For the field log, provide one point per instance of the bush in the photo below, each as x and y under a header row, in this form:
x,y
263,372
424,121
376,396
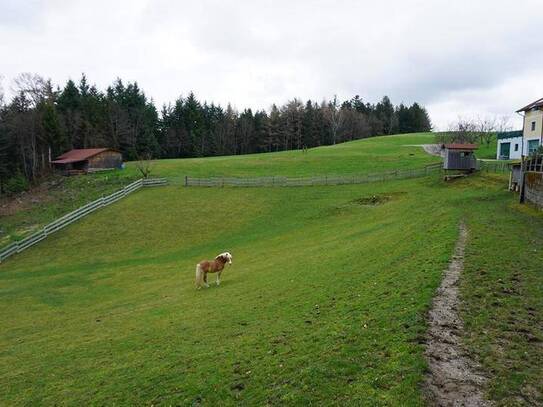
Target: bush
x,y
14,185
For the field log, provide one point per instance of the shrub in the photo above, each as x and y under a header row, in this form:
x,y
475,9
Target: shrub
x,y
14,185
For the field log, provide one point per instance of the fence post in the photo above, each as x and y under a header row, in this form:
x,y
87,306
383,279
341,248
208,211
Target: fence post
x,y
186,180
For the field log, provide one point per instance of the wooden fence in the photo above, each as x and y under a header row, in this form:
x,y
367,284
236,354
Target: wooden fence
x,y
308,181
493,166
19,246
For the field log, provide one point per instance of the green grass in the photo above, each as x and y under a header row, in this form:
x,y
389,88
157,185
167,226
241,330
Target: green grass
x,y
54,198
311,311
359,157
374,154
325,303
487,151
502,287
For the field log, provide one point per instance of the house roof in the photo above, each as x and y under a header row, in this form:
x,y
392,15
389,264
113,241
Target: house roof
x,y
77,155
508,134
536,104
460,146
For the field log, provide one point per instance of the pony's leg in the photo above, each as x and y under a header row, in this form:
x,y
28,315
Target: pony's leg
x,y
205,280
219,277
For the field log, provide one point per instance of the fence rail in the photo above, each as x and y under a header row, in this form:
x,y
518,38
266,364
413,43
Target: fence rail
x,y
309,181
62,222
494,166
534,164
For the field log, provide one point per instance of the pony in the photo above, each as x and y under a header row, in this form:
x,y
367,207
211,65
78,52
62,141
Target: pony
x,y
211,266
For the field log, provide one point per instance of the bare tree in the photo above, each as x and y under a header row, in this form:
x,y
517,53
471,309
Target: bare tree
x,y
145,164
33,86
482,130
335,117
461,131
486,129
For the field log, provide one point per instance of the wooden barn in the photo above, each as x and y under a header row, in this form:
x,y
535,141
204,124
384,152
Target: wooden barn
x,y
459,157
81,161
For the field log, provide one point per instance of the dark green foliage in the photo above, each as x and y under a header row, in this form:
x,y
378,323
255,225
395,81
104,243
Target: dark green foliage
x,y
40,123
15,184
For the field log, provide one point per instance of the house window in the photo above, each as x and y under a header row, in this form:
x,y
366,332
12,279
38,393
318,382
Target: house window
x,y
516,147
532,146
533,126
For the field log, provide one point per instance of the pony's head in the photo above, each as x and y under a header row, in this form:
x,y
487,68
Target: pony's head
x,y
226,257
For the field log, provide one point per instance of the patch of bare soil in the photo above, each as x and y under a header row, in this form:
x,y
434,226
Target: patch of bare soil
x,y
454,379
372,200
26,200
432,149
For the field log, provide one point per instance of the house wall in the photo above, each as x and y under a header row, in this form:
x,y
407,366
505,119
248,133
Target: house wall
x,y
513,155
106,159
529,134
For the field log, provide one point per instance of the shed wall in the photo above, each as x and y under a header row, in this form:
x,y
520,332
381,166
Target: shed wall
x,y
453,160
106,159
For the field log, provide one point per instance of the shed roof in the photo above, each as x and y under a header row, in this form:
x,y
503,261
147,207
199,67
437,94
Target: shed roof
x,y
533,105
77,155
458,146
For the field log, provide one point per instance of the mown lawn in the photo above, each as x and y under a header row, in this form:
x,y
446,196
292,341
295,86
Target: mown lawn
x,y
325,302
375,154
502,289
63,195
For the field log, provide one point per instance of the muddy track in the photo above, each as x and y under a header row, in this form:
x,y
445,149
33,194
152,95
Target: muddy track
x,y
453,378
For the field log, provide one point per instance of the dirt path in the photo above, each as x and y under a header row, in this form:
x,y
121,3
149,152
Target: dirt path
x,y
452,379
432,149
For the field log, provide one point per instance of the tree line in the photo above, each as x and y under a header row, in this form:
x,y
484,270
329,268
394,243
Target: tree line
x,y
41,122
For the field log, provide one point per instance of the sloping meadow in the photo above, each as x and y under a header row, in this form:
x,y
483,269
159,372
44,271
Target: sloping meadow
x,y
325,301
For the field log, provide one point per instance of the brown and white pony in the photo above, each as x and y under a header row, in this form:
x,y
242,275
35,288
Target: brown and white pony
x,y
211,266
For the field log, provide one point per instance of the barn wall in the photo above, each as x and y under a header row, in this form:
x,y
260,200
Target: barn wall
x,y
533,188
106,159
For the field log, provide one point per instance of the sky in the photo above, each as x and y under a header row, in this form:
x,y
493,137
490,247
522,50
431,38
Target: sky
x,y
459,58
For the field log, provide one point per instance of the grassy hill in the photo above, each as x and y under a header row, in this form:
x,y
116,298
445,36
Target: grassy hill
x,y
29,212
374,154
325,302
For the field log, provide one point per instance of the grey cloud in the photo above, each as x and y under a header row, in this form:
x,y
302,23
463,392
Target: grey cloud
x,y
256,53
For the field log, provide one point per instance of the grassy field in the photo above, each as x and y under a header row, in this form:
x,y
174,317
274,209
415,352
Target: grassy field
x,y
325,302
63,195
374,154
311,310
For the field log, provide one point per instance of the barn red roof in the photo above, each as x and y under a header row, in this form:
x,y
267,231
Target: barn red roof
x,y
77,155
460,146
537,103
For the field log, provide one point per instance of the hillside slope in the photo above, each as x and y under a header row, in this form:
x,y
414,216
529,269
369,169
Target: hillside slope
x,y
325,302
23,215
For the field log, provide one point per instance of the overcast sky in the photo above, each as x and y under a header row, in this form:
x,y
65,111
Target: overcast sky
x,y
457,57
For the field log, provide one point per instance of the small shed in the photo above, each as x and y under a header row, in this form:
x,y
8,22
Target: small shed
x,y
515,177
459,157
81,161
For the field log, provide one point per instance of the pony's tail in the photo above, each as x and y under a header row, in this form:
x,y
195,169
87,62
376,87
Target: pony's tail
x,y
199,276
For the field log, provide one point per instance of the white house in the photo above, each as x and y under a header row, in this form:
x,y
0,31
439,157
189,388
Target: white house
x,y
509,145
513,144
